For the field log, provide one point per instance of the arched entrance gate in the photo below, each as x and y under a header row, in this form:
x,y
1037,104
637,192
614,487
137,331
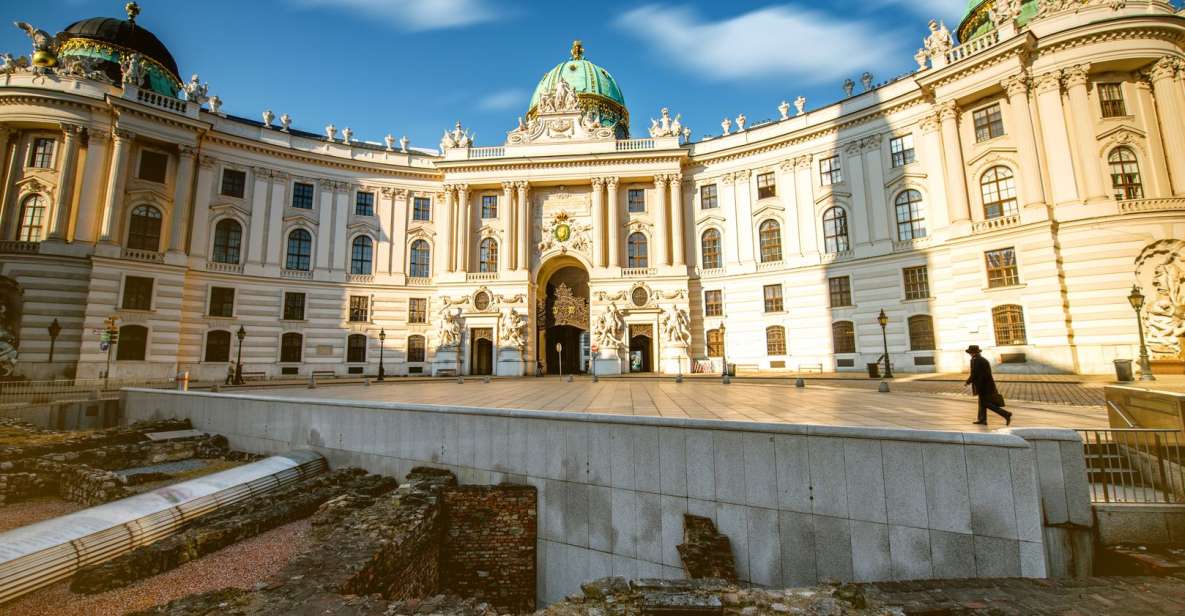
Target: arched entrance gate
x,y
562,321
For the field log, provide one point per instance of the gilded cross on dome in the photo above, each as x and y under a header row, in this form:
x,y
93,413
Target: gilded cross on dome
x,y
577,50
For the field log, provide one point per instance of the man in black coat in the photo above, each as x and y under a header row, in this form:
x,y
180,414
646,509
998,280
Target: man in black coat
x,y
983,385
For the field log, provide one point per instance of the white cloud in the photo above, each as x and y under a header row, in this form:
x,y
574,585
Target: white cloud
x,y
503,100
948,10
413,15
777,41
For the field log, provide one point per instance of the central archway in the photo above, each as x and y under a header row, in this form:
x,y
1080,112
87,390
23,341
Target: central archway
x,y
563,316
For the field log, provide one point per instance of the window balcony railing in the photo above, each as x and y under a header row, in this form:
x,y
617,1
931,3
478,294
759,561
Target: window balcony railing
x,y
419,282
830,257
771,265
907,245
634,145
973,46
296,274
148,97
992,224
638,272
1132,206
151,256
20,248
360,278
225,268
480,276
711,272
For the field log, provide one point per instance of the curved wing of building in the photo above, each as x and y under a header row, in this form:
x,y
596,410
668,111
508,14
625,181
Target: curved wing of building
x,y
1008,194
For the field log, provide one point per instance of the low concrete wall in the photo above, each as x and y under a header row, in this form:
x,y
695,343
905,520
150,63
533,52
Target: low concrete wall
x,y
1120,523
800,504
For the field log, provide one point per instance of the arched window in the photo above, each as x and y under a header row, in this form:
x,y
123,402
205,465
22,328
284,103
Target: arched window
x,y
639,253
228,240
835,230
300,250
843,337
487,256
1125,174
218,346
710,247
999,192
356,349
415,349
715,343
1009,322
361,251
144,229
775,340
921,333
291,348
32,219
911,216
132,344
421,260
770,234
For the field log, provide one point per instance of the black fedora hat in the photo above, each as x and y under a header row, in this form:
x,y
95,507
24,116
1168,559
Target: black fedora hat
x,y
974,349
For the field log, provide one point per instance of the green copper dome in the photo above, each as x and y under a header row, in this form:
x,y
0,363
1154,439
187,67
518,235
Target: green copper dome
x,y
977,18
594,86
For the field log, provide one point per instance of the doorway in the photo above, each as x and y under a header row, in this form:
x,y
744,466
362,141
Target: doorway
x,y
481,354
641,348
563,318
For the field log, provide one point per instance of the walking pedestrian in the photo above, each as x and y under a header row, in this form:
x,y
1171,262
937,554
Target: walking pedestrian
x,y
984,386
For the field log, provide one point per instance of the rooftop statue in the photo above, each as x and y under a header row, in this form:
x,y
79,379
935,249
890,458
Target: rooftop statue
x,y
196,91
9,64
132,69
45,46
667,127
939,41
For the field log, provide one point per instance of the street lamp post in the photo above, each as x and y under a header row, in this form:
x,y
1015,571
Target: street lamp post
x,y
1136,299
382,340
242,333
883,319
55,328
723,358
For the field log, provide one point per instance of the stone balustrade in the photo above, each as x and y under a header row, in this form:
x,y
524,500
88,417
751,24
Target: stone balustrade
x,y
992,224
225,268
150,256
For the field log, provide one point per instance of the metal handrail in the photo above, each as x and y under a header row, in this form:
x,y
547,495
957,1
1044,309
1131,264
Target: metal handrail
x,y
1135,465
1127,419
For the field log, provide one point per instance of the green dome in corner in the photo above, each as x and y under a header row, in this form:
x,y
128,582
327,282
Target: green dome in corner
x,y
589,81
977,18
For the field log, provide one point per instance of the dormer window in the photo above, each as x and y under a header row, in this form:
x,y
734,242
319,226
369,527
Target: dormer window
x,y
234,183
154,166
41,154
767,186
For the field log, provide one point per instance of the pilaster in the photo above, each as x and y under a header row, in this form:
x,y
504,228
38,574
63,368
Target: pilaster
x,y
275,219
261,178
598,221
506,214
59,229
1032,192
1060,168
678,241
90,191
182,192
1076,80
614,224
1171,112
116,177
661,230
958,206
200,232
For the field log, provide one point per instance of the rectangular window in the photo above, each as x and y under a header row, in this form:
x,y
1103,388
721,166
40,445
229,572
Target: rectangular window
x,y
137,293
829,171
1001,268
222,302
294,306
364,204
154,166
775,341
416,351
989,124
41,155
917,282
636,199
302,195
707,197
840,290
417,310
489,206
767,186
773,297
234,183
359,308
421,208
901,149
1111,100
713,303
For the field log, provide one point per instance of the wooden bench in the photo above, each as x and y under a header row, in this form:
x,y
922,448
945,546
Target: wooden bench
x,y
810,368
446,372
324,374
255,375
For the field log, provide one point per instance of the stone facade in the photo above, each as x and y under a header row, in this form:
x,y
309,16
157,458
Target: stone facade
x,y
1024,171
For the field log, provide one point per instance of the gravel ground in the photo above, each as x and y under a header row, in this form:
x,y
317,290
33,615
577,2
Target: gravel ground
x,y
240,565
23,513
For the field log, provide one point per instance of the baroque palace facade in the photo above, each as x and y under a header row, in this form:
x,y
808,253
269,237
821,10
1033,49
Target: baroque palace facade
x,y
1008,193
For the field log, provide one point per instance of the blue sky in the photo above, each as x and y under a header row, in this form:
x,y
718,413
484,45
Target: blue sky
x,y
415,66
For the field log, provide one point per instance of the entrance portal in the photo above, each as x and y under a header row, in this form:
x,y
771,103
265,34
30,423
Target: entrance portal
x,y
641,348
481,355
563,321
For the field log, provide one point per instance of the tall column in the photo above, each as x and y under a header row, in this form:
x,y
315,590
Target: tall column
x,y
1171,112
732,238
613,227
1157,184
937,210
115,183
853,170
261,178
398,239
743,202
443,259
1060,168
598,222
385,211
60,226
791,240
506,213
1032,191
324,223
90,190
7,142
182,188
524,227
804,198
678,242
464,224
200,233
1083,121
661,254
956,175
275,219
878,208
341,218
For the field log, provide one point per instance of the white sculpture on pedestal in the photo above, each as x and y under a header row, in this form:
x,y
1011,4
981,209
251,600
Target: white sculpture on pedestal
x,y
513,326
347,135
285,122
800,105
268,116
610,329
449,328
667,127
939,41
676,326
196,91
784,109
389,140
330,131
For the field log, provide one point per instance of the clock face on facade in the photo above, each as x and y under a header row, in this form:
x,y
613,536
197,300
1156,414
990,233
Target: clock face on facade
x,y
563,232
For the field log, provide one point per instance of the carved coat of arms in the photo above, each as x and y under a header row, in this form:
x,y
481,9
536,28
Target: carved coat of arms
x,y
563,233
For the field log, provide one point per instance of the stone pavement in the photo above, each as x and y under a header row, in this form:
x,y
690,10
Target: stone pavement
x,y
1134,596
745,400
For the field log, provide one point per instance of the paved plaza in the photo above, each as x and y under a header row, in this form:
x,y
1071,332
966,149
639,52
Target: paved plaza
x,y
756,400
